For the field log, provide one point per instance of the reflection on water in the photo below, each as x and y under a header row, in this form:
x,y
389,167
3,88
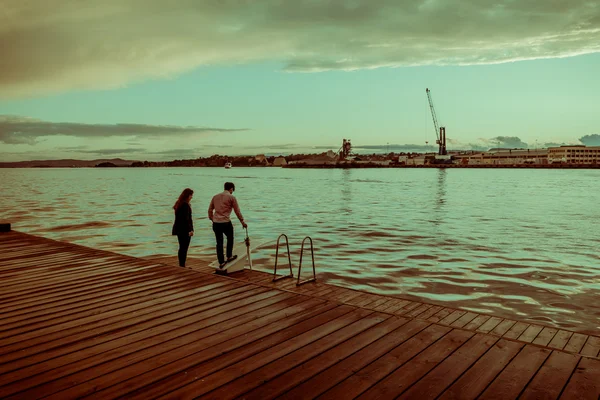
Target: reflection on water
x,y
440,197
514,243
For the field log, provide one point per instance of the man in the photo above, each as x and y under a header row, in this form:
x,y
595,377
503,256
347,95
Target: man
x,y
219,212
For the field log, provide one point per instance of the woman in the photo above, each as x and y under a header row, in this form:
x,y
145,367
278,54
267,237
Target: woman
x,y
183,226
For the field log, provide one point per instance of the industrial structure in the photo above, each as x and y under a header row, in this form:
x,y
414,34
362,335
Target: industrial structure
x,y
440,131
345,150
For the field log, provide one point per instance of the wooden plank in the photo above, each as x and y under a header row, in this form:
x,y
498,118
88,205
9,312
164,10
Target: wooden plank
x,y
60,338
552,377
585,381
84,360
503,327
121,288
452,317
592,347
440,315
265,373
82,270
338,330
347,296
158,376
361,300
399,304
489,325
474,381
400,380
105,297
513,379
418,310
379,369
73,291
545,336
159,301
410,306
34,364
106,374
379,304
276,386
39,318
464,320
431,311
477,322
516,330
530,333
576,343
560,340
442,376
337,373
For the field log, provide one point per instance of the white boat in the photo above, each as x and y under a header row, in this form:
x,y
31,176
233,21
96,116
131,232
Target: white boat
x,y
227,165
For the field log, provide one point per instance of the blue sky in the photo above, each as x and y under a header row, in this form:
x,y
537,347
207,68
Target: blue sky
x,y
487,92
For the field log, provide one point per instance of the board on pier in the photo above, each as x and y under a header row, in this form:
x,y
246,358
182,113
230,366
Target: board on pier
x,y
242,261
235,265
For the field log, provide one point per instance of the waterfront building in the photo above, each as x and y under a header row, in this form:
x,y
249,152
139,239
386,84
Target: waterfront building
x,y
578,154
279,161
509,157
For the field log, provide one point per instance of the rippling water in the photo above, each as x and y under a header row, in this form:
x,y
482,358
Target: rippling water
x,y
518,243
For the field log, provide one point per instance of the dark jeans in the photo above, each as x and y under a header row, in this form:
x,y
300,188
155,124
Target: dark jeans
x,y
184,244
220,229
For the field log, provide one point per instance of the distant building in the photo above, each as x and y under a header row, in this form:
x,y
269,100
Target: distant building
x,y
262,160
574,154
279,161
508,157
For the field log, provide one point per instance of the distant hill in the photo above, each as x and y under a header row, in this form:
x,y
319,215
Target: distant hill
x,y
65,163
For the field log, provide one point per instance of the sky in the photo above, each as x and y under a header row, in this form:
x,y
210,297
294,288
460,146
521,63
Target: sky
x,y
156,80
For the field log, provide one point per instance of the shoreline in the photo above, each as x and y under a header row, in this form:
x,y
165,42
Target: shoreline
x,y
483,166
347,166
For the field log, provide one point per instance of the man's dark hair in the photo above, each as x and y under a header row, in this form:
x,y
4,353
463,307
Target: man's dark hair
x,y
229,185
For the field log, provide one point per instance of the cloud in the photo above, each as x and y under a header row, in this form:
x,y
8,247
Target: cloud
x,y
507,141
108,152
590,140
58,45
288,146
22,130
396,147
72,148
552,144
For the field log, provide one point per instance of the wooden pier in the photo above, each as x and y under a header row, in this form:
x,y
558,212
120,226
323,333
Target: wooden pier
x,y
78,322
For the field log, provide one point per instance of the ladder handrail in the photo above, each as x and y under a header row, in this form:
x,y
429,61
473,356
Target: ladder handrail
x,y
247,241
291,275
312,253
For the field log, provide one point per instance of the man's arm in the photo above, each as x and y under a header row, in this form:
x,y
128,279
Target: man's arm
x,y
236,208
211,208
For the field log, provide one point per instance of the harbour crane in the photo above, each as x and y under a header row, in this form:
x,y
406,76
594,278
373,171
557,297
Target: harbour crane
x,y
440,131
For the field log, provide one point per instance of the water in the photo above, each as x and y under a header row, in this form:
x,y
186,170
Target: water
x,y
517,243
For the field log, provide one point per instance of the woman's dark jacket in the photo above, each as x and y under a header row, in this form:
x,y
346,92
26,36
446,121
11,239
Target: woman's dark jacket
x,y
183,220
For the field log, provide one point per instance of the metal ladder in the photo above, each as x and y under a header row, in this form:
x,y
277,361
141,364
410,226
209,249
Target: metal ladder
x,y
291,274
312,253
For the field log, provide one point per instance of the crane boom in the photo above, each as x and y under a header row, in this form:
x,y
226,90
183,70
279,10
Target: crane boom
x,y
440,131
435,122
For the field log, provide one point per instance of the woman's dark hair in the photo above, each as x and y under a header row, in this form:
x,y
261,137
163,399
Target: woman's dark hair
x,y
229,185
184,197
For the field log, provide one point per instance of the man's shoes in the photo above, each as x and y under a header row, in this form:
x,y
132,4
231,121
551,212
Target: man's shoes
x,y
233,257
222,265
